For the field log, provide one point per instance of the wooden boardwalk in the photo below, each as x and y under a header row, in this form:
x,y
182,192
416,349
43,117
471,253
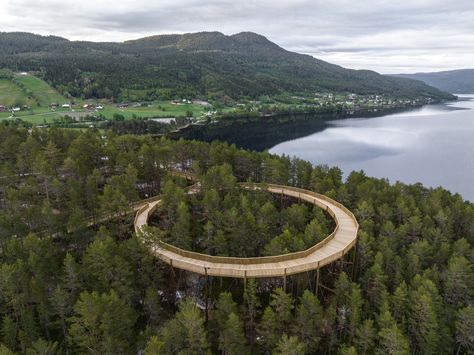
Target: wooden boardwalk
x,y
332,248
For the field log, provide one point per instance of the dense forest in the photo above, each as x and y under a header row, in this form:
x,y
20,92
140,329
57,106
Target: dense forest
x,y
70,285
205,64
226,220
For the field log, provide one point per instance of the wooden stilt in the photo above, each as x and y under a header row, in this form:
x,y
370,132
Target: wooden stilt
x,y
298,285
179,279
211,282
173,283
172,270
327,288
185,282
284,281
245,281
206,291
354,260
308,279
317,280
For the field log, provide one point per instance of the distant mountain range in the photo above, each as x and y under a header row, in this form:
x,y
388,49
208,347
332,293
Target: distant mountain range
x,y
194,64
455,81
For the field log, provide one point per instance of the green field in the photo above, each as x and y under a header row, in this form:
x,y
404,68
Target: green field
x,y
36,116
28,90
157,109
42,92
12,95
41,115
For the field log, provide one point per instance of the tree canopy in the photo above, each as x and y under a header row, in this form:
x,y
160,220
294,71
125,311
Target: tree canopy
x,y
75,281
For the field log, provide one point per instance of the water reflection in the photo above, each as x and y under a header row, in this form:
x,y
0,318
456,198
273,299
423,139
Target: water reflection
x,y
433,145
263,133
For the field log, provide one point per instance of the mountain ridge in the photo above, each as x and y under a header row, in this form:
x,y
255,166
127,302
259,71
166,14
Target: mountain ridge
x,y
456,81
212,64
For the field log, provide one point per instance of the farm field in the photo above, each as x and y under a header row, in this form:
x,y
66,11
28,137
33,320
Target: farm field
x,y
158,109
12,95
28,90
42,92
36,116
31,91
42,115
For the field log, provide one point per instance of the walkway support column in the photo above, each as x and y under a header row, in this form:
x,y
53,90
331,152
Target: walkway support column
x,y
245,281
342,262
206,293
317,280
354,262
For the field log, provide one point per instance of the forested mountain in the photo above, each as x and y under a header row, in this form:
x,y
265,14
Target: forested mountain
x,y
67,286
456,81
195,64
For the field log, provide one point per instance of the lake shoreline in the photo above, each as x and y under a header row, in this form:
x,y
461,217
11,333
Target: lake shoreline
x,y
432,145
264,132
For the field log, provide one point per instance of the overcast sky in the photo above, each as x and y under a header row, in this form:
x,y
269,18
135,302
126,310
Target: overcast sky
x,y
389,36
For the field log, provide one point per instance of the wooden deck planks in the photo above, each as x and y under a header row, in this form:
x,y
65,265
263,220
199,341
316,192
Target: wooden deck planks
x,y
344,238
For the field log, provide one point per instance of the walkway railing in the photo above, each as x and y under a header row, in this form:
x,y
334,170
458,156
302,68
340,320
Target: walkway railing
x,y
284,264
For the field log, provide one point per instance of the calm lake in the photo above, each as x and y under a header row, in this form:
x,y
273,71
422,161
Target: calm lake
x,y
433,145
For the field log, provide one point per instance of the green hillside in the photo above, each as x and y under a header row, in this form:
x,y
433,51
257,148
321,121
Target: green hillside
x,y
34,96
456,81
27,90
205,64
12,95
42,92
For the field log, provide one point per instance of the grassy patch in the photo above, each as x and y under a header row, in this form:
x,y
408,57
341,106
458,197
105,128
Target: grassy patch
x,y
35,118
42,92
13,95
158,109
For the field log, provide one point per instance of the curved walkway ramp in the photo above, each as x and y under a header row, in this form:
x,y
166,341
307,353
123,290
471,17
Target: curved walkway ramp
x,y
332,248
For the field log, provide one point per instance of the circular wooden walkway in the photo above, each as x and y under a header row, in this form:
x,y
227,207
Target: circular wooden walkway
x,y
332,248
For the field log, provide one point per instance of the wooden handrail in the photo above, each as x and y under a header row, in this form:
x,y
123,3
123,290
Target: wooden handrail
x,y
220,261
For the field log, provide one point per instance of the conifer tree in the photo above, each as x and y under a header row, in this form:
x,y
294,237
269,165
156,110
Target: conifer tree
x,y
289,345
181,230
225,306
232,338
102,324
423,323
390,339
309,319
465,330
